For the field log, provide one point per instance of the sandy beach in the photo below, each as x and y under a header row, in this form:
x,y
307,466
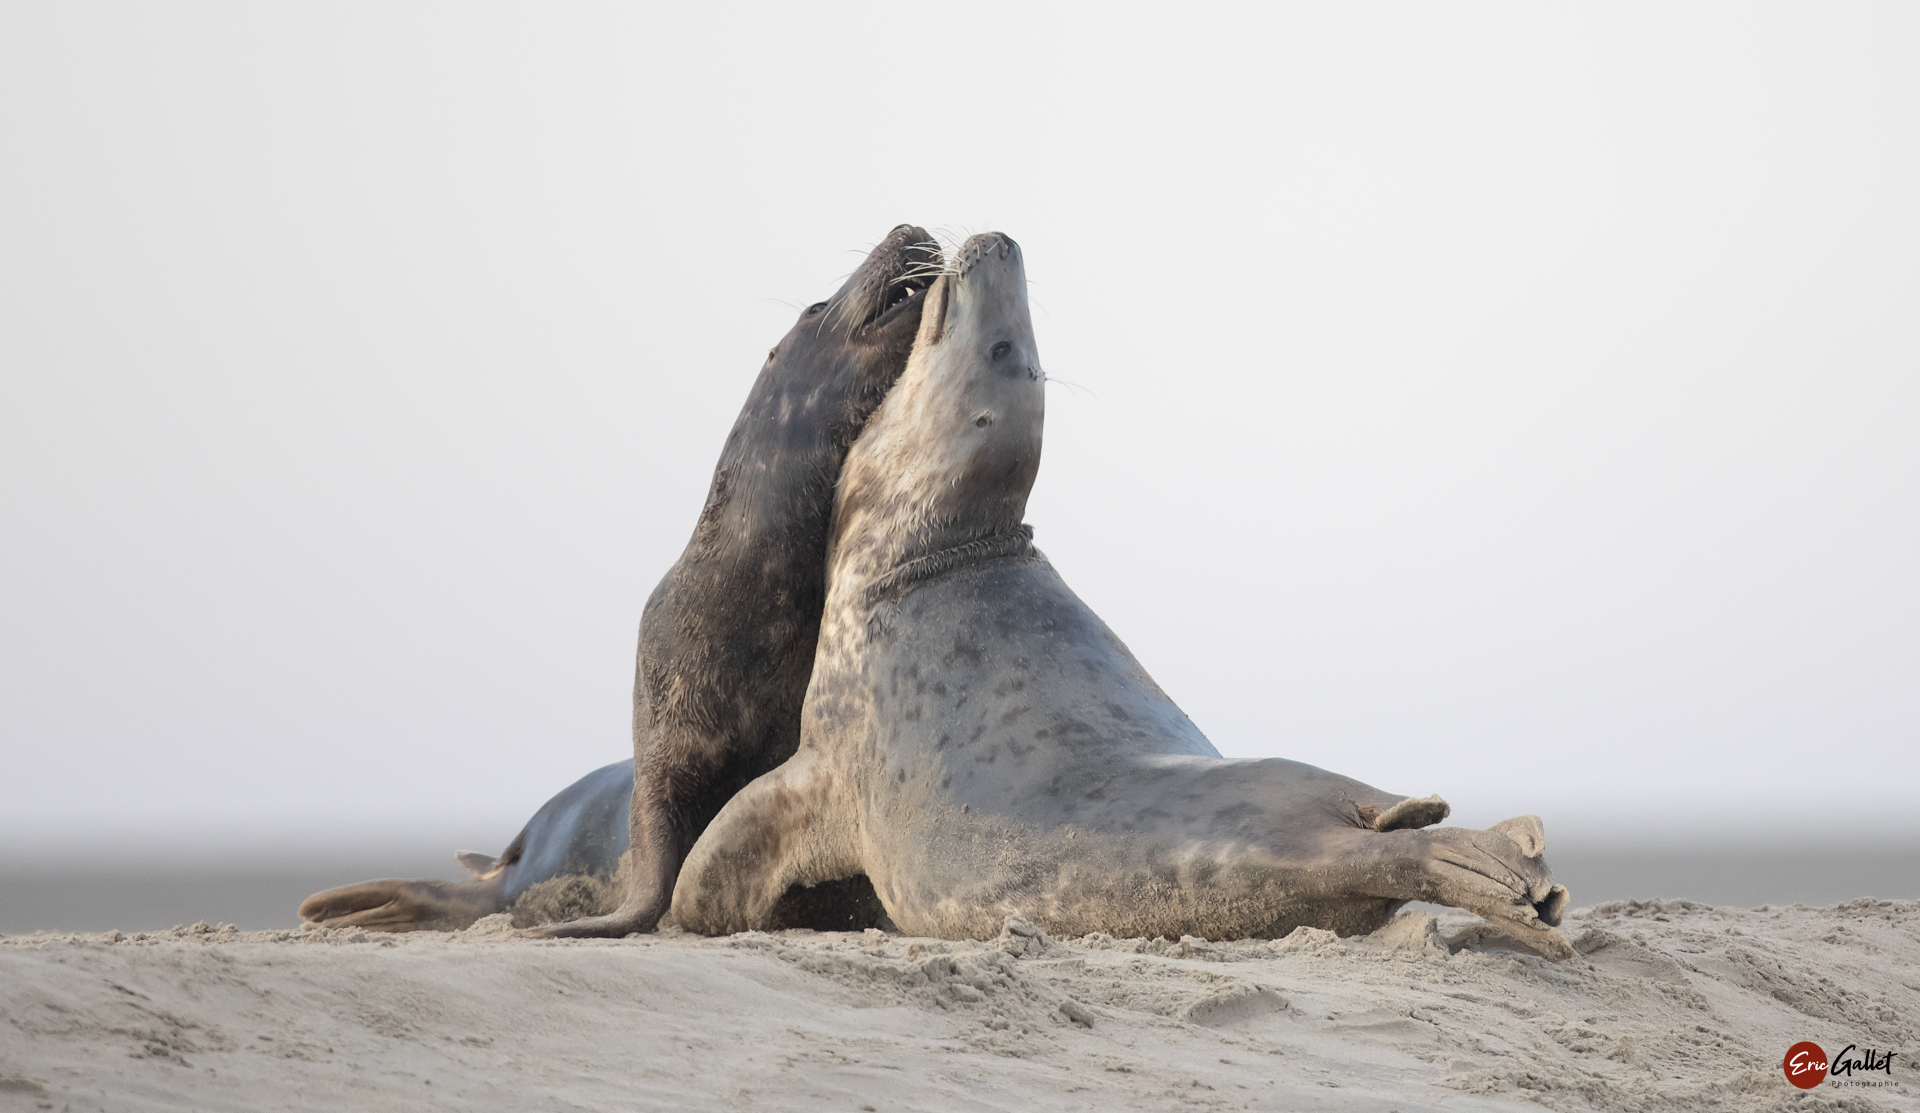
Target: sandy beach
x,y
1669,1005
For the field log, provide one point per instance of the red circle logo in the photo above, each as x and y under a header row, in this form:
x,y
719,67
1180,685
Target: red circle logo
x,y
1806,1065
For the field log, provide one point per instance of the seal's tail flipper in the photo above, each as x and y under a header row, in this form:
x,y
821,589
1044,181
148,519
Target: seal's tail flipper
x,y
1530,835
1526,832
771,836
404,905
1497,873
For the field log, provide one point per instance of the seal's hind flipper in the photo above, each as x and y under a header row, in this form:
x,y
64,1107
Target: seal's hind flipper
x,y
1530,835
1413,812
394,905
1525,830
479,865
1498,874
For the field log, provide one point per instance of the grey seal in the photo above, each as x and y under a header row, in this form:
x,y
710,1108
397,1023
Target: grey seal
x,y
581,832
578,839
727,637
978,744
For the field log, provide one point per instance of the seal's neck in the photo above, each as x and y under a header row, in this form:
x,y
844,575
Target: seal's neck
x,y
1017,542
913,502
942,472
878,552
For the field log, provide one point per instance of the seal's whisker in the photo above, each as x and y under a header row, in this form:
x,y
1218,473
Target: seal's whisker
x,y
951,240
928,271
1075,388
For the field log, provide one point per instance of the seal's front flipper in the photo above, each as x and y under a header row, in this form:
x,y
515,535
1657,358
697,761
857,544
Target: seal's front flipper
x,y
404,905
773,835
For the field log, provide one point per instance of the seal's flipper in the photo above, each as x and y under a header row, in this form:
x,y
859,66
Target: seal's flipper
x,y
1554,908
1527,831
404,905
1489,873
479,865
774,834
1413,812
1531,836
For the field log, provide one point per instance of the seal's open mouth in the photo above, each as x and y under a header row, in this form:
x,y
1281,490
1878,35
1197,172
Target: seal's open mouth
x,y
900,269
903,289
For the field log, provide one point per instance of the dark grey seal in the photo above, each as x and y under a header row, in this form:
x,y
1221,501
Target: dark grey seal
x,y
727,638
581,832
577,839
979,744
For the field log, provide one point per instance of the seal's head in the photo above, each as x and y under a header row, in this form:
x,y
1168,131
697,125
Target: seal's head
x,y
849,348
771,491
951,455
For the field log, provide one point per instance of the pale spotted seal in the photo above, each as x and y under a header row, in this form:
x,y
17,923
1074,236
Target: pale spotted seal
x,y
979,744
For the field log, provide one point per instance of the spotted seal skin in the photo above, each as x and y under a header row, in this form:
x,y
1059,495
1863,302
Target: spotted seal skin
x,y
978,743
727,637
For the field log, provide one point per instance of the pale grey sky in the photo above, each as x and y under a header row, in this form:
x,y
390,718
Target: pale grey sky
x,y
1507,402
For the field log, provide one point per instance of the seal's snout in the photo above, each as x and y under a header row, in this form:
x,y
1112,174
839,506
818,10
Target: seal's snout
x,y
986,245
902,266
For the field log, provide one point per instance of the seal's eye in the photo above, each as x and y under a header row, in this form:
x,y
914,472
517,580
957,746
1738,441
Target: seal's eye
x,y
1001,349
983,421
816,307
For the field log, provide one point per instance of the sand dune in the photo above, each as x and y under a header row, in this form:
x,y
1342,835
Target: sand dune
x,y
1670,1005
